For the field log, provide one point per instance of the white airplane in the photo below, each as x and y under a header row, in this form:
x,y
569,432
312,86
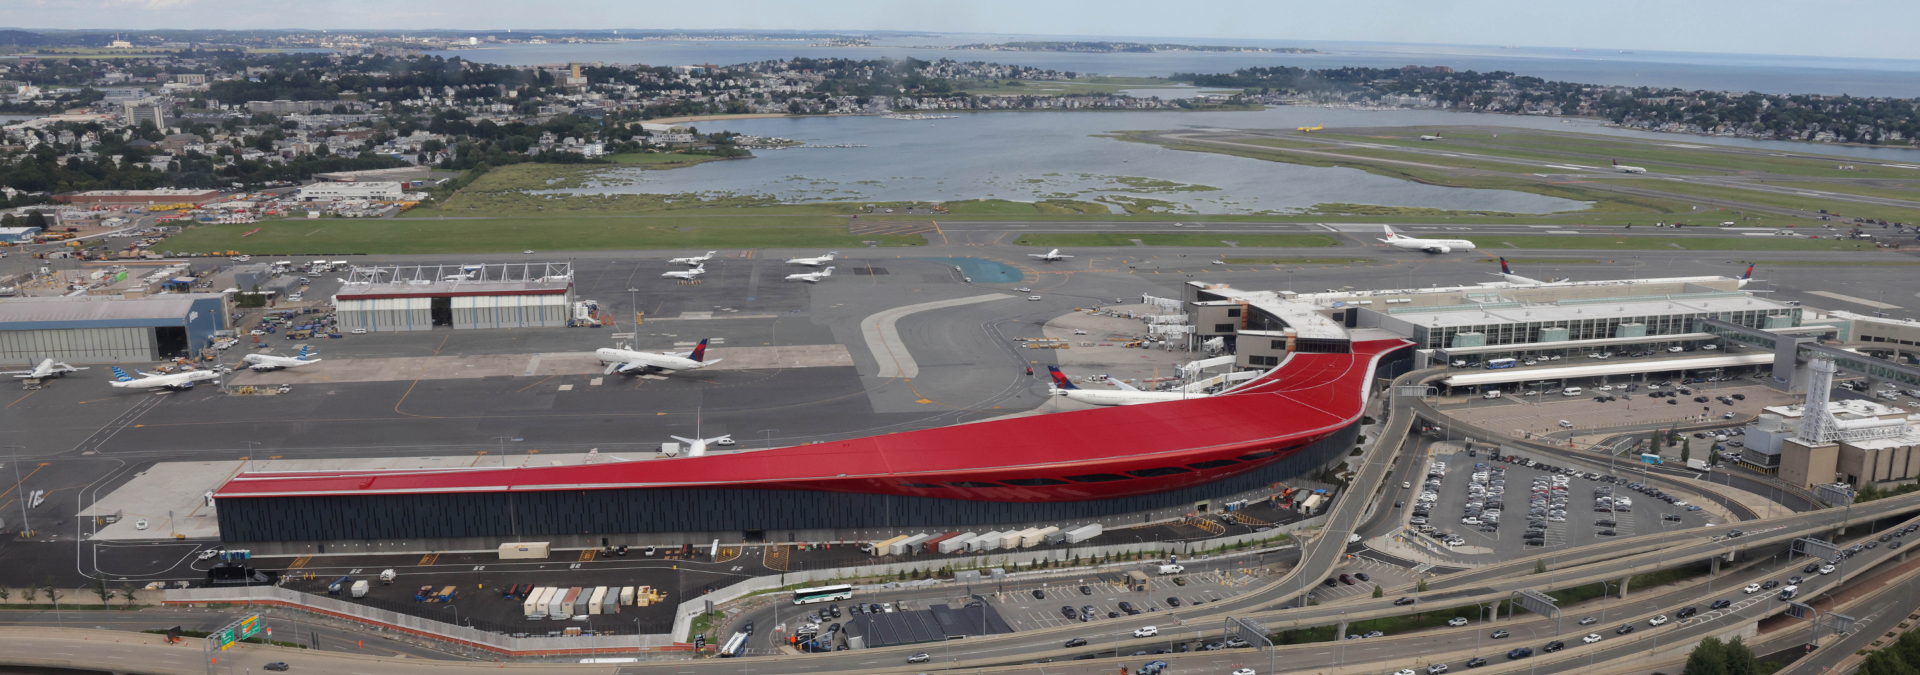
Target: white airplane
x,y
811,277
1507,274
174,381
47,368
1428,245
689,274
1430,137
261,363
1125,395
1622,168
814,262
694,261
1049,256
630,361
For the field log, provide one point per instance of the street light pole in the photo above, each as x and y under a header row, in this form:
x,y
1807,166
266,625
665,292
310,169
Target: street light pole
x,y
769,433
254,464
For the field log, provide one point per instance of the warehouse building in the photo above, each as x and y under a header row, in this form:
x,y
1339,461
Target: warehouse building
x,y
370,190
18,235
97,329
141,197
425,297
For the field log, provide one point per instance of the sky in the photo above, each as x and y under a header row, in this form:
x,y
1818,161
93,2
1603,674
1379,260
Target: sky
x,y
1876,29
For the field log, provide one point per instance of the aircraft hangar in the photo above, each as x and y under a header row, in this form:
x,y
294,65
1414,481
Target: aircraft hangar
x,y
99,329
426,297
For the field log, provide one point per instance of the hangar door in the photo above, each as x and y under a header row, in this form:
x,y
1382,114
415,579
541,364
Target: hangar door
x,y
80,345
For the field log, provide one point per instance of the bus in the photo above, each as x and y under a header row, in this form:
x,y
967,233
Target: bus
x,y
1496,364
822,594
735,646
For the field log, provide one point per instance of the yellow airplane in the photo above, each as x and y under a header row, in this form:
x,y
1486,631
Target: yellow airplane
x,y
1311,128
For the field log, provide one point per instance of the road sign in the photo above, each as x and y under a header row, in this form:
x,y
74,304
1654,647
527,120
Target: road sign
x,y
241,629
1840,623
1818,548
1801,611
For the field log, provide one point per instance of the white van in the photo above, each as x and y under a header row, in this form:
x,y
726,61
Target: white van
x,y
1490,394
1172,569
1570,391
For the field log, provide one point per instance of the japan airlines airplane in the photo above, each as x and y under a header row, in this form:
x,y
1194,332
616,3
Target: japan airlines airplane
x,y
1125,395
1622,168
695,261
261,363
814,262
1428,245
1507,274
174,381
630,361
1049,256
811,277
689,274
47,368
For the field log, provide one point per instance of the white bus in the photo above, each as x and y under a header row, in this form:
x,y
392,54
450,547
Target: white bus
x,y
1497,364
822,594
735,646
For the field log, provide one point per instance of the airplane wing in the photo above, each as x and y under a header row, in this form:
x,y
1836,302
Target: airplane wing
x,y
64,368
688,441
17,373
1122,385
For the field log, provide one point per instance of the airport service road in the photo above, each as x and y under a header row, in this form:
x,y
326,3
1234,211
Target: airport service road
x,y
326,636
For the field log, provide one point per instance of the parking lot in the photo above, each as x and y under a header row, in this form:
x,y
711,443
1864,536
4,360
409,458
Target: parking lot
x,y
1365,573
1542,414
1105,592
1566,514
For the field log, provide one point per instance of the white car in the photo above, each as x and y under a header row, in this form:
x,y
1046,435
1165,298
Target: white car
x,y
1406,485
1436,669
1658,620
1752,588
1457,621
1408,671
1243,671
1033,297
1591,638
1219,262
359,331
528,251
1024,289
1148,631
1826,569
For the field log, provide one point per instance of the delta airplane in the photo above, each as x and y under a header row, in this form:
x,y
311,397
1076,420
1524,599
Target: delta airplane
x,y
811,277
175,381
1125,395
261,363
1049,256
47,368
695,261
629,361
1622,168
1428,245
689,274
814,262
1507,274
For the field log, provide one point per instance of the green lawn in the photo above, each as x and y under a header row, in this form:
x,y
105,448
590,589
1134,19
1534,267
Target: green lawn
x,y
1005,207
1126,239
1546,261
1485,144
1804,203
1911,193
1295,261
660,158
1495,242
506,235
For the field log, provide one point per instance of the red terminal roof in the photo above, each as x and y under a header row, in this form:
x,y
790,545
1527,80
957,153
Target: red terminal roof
x,y
1307,398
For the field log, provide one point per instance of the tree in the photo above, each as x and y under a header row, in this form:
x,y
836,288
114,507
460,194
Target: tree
x,y
126,593
1686,450
53,592
1539,567
30,594
1421,585
1377,592
5,595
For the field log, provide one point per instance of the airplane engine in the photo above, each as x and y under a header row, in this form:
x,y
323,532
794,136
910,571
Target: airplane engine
x,y
1441,249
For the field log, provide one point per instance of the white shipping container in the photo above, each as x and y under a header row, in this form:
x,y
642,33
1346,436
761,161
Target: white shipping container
x,y
535,606
596,603
1032,538
957,542
1084,532
557,605
985,542
903,546
626,596
885,546
524,550
1011,540
360,588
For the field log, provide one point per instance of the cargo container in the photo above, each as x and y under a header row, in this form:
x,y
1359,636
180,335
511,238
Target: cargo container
x,y
560,606
1032,538
447,594
1083,533
1011,540
933,545
986,542
626,596
908,545
533,550
883,546
598,601
532,604
583,601
360,588
957,542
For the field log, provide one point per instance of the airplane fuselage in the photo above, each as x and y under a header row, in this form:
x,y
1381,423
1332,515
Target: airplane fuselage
x,y
646,360
1119,397
173,381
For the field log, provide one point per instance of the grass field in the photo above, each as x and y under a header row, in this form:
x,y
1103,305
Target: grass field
x,y
1126,239
1836,263
1485,144
661,159
1004,207
1677,243
507,235
1911,193
1546,261
1804,203
1295,261
1668,156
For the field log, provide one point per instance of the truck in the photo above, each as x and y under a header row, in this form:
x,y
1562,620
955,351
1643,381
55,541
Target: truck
x,y
360,588
1697,464
338,585
598,602
1652,458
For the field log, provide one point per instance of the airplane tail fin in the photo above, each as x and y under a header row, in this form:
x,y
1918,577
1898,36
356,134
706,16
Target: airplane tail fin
x,y
1616,162
699,352
1059,378
303,352
121,375
1749,275
1503,266
827,273
1389,229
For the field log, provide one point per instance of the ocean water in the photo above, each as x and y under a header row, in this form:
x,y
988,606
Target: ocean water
x,y
1691,70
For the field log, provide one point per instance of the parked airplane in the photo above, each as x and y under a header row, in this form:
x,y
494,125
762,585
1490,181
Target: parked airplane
x,y
694,261
1428,245
630,361
261,363
151,381
697,447
811,277
1617,166
1507,274
1049,256
689,274
815,262
1125,395
1746,277
47,368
